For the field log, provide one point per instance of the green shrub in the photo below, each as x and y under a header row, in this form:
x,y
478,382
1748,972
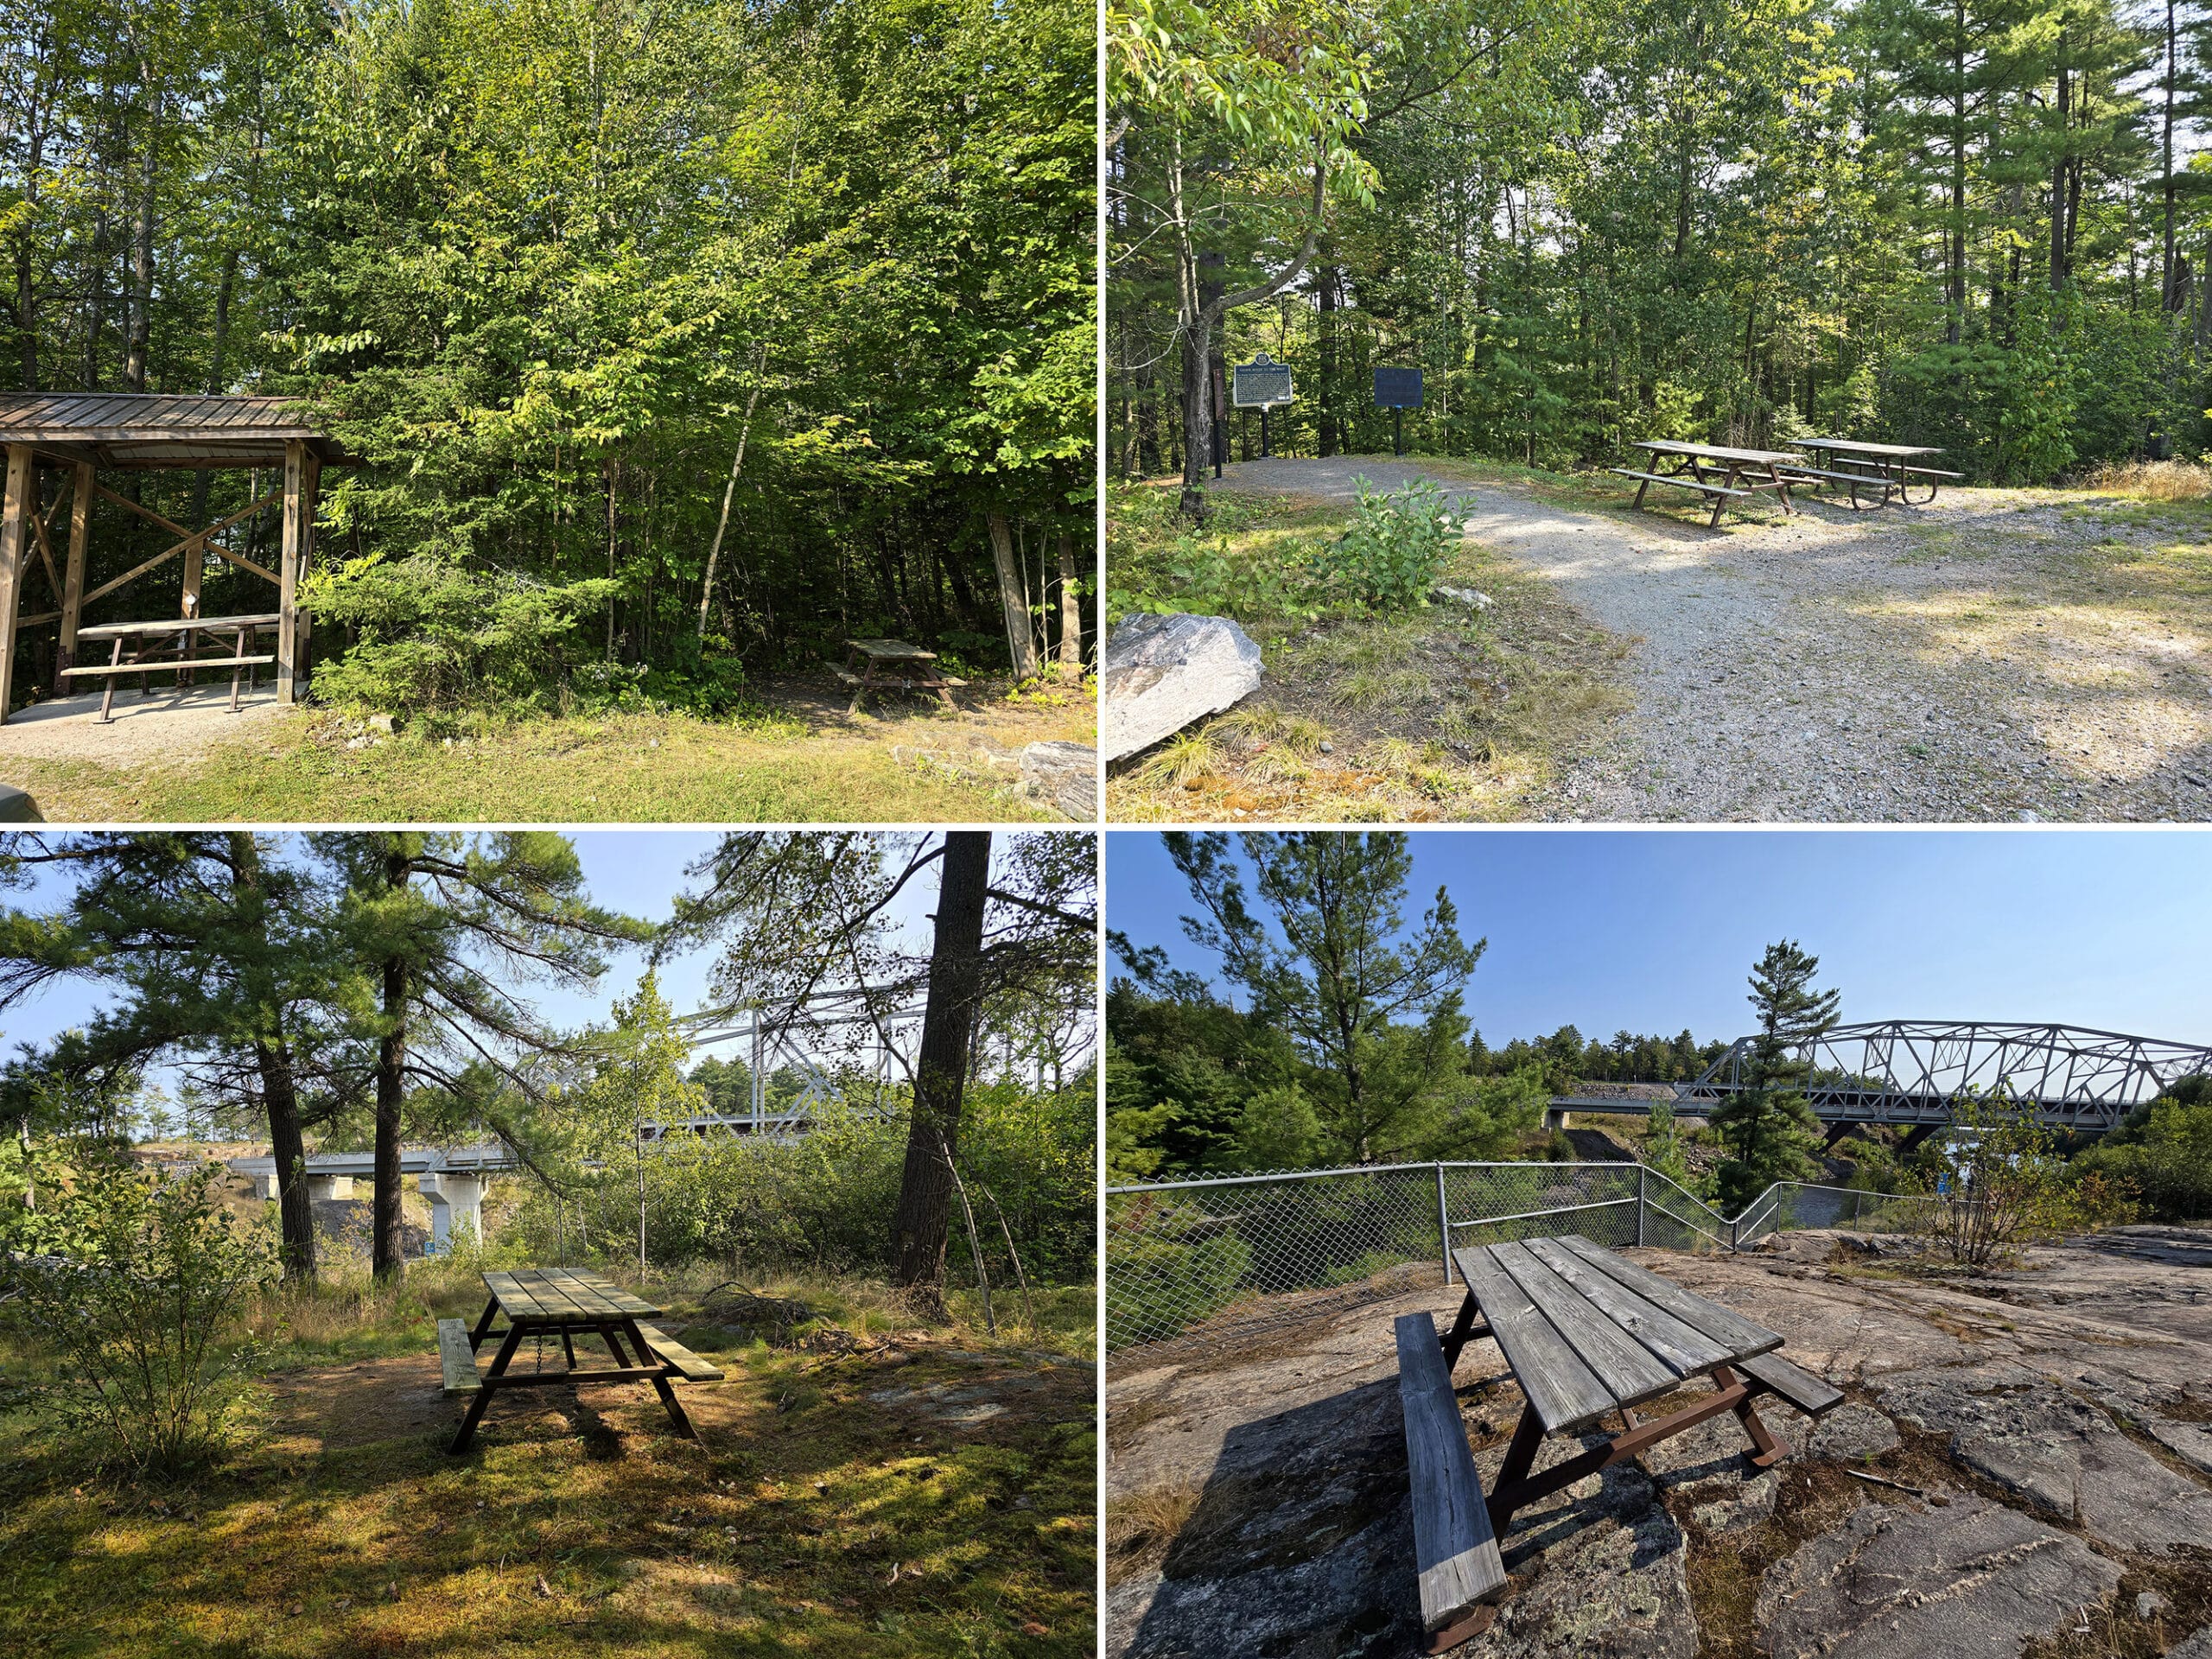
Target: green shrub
x,y
1390,557
1157,1286
2171,1165
138,1312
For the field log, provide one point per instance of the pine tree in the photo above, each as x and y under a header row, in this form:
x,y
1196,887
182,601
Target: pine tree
x,y
1768,1127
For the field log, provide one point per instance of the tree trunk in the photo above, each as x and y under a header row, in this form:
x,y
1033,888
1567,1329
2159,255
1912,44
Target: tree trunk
x,y
295,1210
1955,259
1325,293
2170,299
384,1258
1070,609
941,1073
1014,600
715,553
142,263
2058,187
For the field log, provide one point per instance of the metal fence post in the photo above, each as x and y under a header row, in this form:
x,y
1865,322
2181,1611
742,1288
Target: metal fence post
x,y
1443,1224
1639,1206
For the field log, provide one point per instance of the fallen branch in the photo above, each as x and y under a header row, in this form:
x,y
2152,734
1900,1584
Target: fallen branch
x,y
1883,1480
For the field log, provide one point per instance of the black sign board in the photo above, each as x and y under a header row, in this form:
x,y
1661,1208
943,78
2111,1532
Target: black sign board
x,y
1260,382
1397,388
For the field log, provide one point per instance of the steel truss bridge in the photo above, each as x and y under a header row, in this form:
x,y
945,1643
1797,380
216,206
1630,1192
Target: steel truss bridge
x,y
1913,1073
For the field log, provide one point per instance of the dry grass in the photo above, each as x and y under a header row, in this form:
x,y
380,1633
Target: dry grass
x,y
932,1496
1140,1526
1419,716
2154,480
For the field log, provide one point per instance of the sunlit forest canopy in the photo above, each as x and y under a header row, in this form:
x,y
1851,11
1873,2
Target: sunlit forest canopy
x,y
674,338
1978,225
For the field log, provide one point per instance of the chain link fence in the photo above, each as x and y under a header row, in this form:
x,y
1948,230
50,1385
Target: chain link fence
x,y
1215,1262
1787,1206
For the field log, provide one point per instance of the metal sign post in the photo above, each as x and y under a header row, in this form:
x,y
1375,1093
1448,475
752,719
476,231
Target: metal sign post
x,y
1397,390
1261,383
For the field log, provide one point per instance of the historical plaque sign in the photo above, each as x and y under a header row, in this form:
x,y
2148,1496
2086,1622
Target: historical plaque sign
x,y
1397,388
1261,383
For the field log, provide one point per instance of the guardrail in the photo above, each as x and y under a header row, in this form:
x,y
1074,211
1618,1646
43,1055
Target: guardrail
x,y
1221,1260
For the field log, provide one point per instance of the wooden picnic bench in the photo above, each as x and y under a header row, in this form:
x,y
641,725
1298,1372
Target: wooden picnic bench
x,y
1587,1333
566,1303
1883,467
1713,470
891,664
171,642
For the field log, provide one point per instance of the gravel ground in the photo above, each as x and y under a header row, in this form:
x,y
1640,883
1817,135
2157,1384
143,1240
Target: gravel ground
x,y
1839,666
169,726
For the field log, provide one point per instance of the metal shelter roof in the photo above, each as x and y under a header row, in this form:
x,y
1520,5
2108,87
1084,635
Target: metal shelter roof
x,y
154,429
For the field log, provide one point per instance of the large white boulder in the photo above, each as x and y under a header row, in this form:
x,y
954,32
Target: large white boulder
x,y
1163,672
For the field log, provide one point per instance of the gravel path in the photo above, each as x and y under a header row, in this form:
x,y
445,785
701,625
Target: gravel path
x,y
172,726
1840,666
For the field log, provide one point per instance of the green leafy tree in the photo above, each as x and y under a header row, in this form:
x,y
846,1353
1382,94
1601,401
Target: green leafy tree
x,y
1768,1126
1372,1006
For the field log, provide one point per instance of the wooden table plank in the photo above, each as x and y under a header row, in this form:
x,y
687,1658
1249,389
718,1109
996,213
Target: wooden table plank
x,y
1688,1350
1455,1551
1630,1371
1740,1336
553,1302
619,1300
1561,1390
514,1301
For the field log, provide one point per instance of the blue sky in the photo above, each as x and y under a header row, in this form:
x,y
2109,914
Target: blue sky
x,y
639,871
1654,931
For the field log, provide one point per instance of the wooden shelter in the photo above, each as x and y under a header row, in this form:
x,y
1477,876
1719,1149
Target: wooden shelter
x,y
77,434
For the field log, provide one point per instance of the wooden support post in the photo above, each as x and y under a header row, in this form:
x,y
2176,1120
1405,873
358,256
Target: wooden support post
x,y
311,488
15,542
288,616
73,580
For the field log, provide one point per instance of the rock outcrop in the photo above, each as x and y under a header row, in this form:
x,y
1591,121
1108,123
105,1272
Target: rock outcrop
x,y
1903,1582
1163,672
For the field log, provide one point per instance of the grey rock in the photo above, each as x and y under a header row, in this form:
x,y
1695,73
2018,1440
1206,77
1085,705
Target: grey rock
x,y
1711,1465
1064,775
2195,1647
1472,598
2190,1442
2149,1604
1894,1582
1851,1432
2059,1453
381,723
1163,672
17,807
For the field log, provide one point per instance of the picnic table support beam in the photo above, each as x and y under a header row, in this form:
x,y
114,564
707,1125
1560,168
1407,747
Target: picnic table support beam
x,y
73,580
14,540
288,601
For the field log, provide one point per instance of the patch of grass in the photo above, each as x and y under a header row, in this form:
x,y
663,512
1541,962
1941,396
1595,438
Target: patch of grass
x,y
2154,480
626,768
934,1497
1140,1526
1430,714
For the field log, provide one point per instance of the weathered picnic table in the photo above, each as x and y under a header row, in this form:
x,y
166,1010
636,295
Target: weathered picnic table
x,y
566,1303
1883,466
1587,1333
177,634
893,664
1713,470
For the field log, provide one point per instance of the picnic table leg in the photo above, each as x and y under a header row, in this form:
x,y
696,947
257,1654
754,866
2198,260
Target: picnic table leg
x,y
483,1326
484,1392
107,698
1462,1332
1781,485
1640,489
668,1400
1770,1450
1519,1456
1719,501
237,650
568,1347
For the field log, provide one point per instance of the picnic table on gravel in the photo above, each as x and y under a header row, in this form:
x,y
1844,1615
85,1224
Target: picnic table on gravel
x,y
1587,1334
1883,467
891,664
566,1303
1713,470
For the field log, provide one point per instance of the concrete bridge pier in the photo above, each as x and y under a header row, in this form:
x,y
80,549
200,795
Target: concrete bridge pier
x,y
1555,1117
264,1184
456,1199
329,1186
